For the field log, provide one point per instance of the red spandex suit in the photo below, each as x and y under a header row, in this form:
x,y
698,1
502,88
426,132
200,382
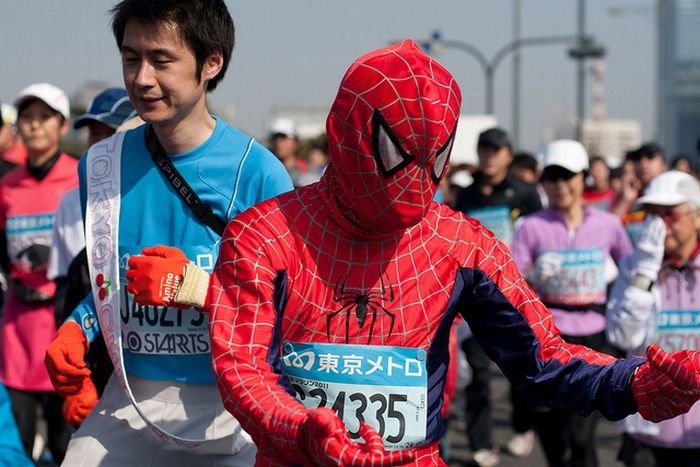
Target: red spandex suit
x,y
331,305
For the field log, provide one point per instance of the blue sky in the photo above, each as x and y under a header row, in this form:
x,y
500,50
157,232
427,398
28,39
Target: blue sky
x,y
292,53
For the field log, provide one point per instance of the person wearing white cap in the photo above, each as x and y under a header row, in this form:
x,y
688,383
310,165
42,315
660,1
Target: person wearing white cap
x,y
568,253
655,300
29,197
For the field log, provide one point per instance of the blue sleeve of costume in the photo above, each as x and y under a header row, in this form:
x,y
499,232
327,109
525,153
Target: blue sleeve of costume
x,y
11,450
574,383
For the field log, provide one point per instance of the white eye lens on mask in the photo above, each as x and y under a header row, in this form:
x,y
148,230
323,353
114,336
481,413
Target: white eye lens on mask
x,y
441,159
390,156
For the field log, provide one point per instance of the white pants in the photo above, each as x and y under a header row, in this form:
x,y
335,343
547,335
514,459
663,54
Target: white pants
x,y
114,434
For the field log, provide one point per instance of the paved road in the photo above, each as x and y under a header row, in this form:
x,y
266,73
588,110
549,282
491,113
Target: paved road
x,y
608,440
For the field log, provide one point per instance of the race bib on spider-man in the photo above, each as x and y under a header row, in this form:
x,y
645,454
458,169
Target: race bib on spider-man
x,y
385,387
580,279
497,219
679,329
157,330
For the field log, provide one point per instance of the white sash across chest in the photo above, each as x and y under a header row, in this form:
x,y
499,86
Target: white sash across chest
x,y
103,175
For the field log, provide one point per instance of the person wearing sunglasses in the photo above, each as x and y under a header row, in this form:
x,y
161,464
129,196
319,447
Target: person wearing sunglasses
x,y
656,300
568,253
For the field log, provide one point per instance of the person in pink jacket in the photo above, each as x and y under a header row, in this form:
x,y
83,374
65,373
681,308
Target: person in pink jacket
x,y
656,300
568,254
29,197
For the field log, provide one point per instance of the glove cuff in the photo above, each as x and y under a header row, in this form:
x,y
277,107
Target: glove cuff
x,y
642,281
72,332
194,287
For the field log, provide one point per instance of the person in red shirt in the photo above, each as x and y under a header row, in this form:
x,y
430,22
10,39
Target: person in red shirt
x,y
598,192
29,197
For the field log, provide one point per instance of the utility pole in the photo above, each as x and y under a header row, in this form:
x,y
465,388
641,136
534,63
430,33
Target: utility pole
x,y
585,48
516,76
581,72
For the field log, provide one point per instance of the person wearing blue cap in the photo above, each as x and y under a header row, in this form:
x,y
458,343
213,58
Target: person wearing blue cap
x,y
108,110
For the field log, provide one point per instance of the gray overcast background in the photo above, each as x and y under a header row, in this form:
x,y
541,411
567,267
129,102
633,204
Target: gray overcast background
x,y
292,53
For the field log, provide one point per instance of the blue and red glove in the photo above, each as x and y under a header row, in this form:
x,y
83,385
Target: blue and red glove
x,y
667,384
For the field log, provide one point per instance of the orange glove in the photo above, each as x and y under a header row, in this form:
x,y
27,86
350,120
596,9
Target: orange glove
x,y
155,276
78,406
667,384
65,359
325,442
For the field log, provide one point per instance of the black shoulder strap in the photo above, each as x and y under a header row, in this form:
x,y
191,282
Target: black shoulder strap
x,y
201,211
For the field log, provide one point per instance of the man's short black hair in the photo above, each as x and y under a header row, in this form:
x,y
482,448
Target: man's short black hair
x,y
204,25
525,160
495,137
650,150
616,172
683,157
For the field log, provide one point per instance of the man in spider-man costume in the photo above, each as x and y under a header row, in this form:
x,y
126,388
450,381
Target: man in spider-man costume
x,y
331,305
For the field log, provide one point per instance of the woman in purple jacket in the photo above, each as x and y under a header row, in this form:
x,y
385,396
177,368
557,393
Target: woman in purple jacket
x,y
568,253
656,299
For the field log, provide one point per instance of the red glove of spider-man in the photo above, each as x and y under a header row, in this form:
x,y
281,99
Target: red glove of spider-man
x,y
326,442
667,384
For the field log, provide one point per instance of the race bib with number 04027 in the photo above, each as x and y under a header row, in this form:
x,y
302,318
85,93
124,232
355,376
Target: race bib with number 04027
x,y
385,387
157,330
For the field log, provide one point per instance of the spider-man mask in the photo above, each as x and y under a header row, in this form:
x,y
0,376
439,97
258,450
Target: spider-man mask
x,y
390,131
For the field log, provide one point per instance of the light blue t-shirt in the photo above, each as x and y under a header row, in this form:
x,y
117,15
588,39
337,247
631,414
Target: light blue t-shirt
x,y
230,172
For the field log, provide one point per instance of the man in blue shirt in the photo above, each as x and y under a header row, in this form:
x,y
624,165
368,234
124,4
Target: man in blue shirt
x,y
161,401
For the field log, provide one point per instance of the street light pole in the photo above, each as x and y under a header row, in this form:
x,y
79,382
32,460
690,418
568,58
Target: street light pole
x,y
585,48
489,66
515,93
581,81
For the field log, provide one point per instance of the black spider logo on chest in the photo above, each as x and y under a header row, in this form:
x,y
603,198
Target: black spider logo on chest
x,y
362,304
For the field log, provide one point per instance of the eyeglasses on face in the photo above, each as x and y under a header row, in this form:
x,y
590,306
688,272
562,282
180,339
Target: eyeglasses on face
x,y
670,215
555,174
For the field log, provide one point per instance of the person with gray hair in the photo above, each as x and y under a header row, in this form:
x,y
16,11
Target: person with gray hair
x,y
655,301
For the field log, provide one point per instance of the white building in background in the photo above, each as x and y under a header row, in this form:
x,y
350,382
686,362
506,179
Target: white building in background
x,y
611,138
468,129
310,122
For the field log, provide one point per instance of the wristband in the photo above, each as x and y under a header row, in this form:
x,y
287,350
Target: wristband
x,y
641,281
